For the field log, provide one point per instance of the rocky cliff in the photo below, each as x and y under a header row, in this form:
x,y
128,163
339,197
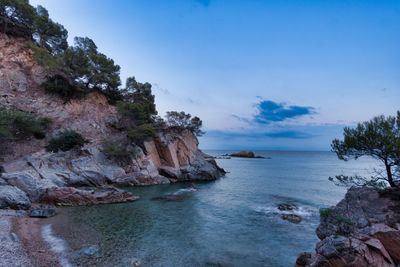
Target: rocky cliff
x,y
361,230
30,174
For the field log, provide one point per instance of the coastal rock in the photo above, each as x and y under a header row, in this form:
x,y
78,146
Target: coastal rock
x,y
361,230
90,251
75,197
32,172
42,211
293,218
180,195
286,206
246,154
12,197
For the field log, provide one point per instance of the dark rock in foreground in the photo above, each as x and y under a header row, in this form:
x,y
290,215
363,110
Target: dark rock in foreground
x,y
361,230
42,211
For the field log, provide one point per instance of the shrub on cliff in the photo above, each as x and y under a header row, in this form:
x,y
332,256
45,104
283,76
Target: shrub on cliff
x,y
141,133
119,153
18,125
182,121
60,86
136,121
65,141
378,138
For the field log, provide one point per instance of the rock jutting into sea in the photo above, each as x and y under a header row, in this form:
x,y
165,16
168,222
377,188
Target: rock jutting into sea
x,y
361,230
29,174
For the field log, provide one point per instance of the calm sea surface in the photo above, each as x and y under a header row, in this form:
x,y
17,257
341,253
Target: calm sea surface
x,y
233,221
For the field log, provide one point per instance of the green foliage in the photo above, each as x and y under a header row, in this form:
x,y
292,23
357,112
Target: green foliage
x,y
131,114
92,70
17,125
347,181
141,133
48,34
140,93
344,220
18,17
324,212
44,58
60,86
65,141
182,121
378,138
118,152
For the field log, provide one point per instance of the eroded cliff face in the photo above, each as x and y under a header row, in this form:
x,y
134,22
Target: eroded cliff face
x,y
361,230
30,174
20,79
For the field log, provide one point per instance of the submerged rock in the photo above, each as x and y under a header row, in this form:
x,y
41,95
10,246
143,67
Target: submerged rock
x,y
286,206
90,251
179,195
42,211
293,218
361,230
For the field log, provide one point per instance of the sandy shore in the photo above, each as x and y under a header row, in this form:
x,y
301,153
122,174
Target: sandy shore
x,y
22,243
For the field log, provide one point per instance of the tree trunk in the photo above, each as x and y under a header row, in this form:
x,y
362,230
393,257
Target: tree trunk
x,y
389,174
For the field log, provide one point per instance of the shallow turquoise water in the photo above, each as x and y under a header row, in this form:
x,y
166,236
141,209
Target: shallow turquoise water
x,y
233,221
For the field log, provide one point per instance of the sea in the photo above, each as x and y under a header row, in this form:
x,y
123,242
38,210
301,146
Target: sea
x,y
233,221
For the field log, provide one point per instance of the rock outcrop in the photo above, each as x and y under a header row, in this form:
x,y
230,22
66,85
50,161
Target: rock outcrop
x,y
29,174
42,177
361,230
246,154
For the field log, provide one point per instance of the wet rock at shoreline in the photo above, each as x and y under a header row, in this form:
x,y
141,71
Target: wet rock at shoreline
x,y
293,218
76,197
42,211
286,206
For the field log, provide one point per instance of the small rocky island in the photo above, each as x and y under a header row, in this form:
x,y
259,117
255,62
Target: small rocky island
x,y
246,154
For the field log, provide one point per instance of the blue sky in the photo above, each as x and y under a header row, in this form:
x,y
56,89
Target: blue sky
x,y
283,74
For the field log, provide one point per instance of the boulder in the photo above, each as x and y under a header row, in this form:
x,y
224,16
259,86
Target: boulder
x,y
13,197
42,211
76,197
293,218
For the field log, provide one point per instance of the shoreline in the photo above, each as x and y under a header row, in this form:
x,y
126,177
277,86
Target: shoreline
x,y
22,243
